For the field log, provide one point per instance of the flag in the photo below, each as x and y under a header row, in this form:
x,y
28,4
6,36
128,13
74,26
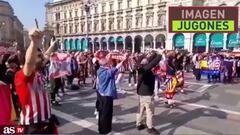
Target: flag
x,y
60,65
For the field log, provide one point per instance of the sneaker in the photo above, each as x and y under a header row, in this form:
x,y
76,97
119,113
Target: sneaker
x,y
141,127
60,94
58,98
56,103
153,131
182,91
130,85
160,90
95,112
156,98
97,116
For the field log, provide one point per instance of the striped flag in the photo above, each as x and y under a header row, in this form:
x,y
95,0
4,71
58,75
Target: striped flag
x,y
60,65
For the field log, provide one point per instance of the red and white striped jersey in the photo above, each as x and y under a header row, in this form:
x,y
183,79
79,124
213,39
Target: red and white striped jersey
x,y
34,99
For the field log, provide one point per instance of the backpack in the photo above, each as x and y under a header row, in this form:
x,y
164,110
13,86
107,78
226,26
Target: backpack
x,y
74,66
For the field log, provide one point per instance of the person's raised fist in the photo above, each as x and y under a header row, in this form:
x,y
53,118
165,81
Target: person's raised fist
x,y
36,35
161,51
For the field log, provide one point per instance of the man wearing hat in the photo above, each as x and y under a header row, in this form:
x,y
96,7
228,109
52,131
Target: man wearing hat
x,y
145,91
106,89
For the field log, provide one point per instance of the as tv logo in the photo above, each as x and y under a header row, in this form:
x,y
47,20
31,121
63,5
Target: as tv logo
x,y
13,130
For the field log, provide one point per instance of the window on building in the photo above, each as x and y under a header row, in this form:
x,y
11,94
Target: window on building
x,y
129,3
65,29
149,1
119,24
82,27
120,5
163,20
129,23
138,22
57,16
65,15
111,6
103,8
149,20
111,24
70,14
138,2
159,20
76,13
57,28
89,26
96,10
76,28
95,26
103,25
61,30
70,29
82,12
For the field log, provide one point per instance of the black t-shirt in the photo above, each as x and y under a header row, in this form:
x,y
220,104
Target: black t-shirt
x,y
3,70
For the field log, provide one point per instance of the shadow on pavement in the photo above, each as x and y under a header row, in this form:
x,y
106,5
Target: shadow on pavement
x,y
177,120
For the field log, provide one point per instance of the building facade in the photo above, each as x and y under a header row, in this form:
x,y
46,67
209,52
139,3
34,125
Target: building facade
x,y
203,42
134,25
11,29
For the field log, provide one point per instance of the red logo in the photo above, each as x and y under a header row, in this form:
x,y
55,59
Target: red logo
x,y
19,130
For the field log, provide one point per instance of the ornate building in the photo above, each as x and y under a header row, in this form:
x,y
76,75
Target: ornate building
x,y
11,29
129,24
204,42
110,24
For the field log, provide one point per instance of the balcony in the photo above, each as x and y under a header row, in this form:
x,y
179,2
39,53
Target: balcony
x,y
120,11
76,18
103,14
89,16
139,8
82,17
150,6
96,15
162,4
111,13
70,19
128,10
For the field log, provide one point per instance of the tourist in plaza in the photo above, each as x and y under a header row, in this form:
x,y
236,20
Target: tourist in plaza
x,y
238,67
36,114
228,65
106,88
120,77
12,68
145,91
132,66
197,70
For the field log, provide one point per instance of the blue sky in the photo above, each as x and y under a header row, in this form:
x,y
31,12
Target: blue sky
x,y
28,10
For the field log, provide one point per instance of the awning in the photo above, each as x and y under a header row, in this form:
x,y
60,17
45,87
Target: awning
x,y
179,41
200,40
232,40
216,41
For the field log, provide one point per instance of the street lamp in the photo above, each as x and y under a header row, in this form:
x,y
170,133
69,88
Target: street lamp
x,y
87,5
